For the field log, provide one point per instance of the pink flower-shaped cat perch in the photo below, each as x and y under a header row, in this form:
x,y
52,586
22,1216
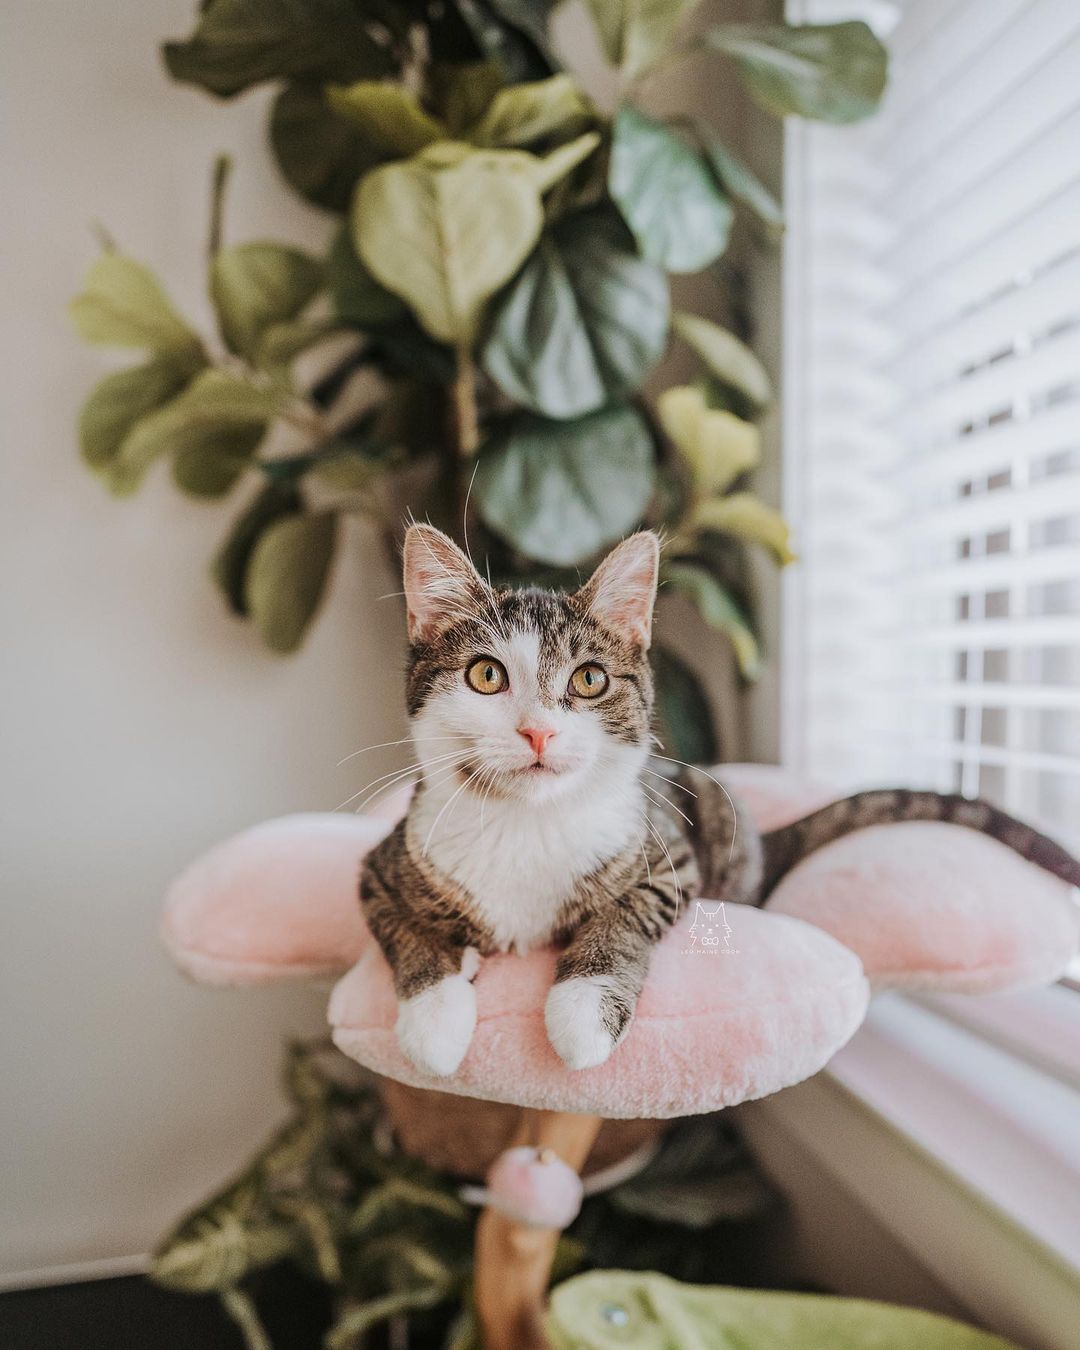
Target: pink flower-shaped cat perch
x,y
915,905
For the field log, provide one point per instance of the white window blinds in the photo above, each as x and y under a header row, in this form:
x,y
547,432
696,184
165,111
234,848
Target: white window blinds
x,y
932,371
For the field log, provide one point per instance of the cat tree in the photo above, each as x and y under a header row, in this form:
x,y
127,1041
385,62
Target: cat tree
x,y
910,906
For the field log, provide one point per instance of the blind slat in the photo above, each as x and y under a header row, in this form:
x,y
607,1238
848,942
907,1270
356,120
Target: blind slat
x,y
996,104
1044,233
964,340
1038,169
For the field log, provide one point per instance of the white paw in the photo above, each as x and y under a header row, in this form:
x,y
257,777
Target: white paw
x,y
574,1023
434,1028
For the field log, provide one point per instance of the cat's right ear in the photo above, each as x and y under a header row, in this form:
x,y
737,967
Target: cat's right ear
x,y
441,584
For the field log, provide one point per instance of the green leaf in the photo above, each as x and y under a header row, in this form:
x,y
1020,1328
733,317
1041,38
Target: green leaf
x,y
667,195
716,445
584,321
238,43
726,357
401,1193
512,33
123,305
549,169
747,517
446,229
719,610
216,1246
701,1201
287,575
256,285
212,468
120,400
213,414
738,182
635,32
229,568
833,72
462,94
389,117
684,709
282,343
241,1308
522,114
357,297
320,154
360,1317
559,491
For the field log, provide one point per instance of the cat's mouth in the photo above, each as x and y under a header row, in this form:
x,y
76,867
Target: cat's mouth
x,y
491,776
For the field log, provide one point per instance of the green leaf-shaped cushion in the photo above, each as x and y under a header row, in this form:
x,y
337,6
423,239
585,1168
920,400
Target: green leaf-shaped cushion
x,y
623,1310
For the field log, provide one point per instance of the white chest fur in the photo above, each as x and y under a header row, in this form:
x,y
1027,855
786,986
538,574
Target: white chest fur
x,y
520,861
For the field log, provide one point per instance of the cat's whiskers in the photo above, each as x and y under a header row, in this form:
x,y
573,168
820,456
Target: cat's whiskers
x,y
432,780
396,774
405,740
660,800
734,812
453,798
681,786
674,874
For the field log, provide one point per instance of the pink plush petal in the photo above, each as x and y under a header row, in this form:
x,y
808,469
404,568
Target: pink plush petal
x,y
934,906
278,901
710,1030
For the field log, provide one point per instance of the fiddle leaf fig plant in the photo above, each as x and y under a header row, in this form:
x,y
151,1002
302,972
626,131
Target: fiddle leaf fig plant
x,y
478,332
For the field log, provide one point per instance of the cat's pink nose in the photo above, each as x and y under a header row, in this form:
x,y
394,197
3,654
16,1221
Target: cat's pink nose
x,y
538,738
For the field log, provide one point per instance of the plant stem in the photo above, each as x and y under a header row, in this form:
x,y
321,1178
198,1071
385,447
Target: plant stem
x,y
463,401
463,432
241,1309
218,183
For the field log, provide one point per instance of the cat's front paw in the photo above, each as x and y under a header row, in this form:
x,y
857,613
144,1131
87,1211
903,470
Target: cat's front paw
x,y
434,1027
585,1020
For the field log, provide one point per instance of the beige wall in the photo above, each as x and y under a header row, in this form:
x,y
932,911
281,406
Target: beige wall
x,y
140,724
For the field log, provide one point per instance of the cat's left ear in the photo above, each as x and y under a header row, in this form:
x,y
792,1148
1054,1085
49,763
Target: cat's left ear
x,y
441,584
621,593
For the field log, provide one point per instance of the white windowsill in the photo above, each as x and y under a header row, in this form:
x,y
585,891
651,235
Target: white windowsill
x,y
967,1156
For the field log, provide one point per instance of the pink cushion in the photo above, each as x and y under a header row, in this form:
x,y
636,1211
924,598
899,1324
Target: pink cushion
x,y
278,901
933,906
709,1031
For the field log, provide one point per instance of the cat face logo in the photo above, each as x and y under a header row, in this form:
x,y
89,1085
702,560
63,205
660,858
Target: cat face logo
x,y
710,931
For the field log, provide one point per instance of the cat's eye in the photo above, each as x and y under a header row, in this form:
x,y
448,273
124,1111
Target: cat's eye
x,y
487,676
589,680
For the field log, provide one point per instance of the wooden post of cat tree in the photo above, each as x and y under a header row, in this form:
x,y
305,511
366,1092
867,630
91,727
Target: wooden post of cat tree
x,y
513,1260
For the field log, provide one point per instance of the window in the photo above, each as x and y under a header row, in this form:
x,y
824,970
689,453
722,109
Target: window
x,y
932,371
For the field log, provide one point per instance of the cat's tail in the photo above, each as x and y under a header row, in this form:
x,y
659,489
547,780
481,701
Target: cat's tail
x,y
785,847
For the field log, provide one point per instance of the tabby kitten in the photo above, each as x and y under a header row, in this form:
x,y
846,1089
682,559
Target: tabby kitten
x,y
538,817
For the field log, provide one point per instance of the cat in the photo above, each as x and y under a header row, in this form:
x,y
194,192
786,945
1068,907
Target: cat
x,y
540,818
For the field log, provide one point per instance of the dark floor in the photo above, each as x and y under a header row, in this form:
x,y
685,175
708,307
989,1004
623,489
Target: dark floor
x,y
133,1314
